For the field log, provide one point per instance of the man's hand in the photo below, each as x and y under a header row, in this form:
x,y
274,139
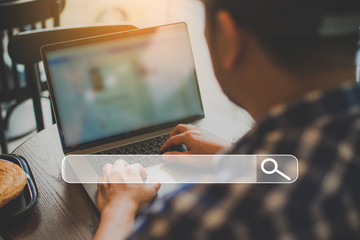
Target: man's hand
x,y
129,188
196,140
119,200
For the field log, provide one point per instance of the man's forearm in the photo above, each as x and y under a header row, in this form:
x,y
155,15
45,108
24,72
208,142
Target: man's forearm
x,y
115,223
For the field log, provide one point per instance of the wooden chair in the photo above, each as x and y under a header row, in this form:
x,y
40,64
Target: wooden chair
x,y
17,16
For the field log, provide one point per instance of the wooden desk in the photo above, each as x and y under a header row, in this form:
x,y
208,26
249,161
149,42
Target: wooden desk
x,y
64,211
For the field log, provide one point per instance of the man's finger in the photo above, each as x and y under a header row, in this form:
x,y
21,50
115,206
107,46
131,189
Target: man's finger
x,y
155,186
119,166
106,170
139,169
181,128
175,140
151,189
121,163
178,129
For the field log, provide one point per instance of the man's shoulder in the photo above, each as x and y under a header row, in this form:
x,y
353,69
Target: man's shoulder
x,y
324,120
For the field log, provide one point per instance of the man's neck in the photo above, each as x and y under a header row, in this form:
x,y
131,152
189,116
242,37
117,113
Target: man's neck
x,y
288,89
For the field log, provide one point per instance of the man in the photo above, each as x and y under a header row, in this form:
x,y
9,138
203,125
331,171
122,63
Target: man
x,y
291,65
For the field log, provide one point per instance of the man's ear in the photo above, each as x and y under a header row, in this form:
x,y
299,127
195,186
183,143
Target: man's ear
x,y
232,39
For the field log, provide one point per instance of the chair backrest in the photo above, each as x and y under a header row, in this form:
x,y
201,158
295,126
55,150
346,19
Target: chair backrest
x,y
17,16
20,13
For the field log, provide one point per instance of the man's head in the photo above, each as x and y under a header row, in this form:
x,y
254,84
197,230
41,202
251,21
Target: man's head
x,y
267,52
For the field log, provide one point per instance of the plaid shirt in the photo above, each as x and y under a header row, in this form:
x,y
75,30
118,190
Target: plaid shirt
x,y
323,131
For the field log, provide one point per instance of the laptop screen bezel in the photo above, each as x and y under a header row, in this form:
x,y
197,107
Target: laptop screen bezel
x,y
116,137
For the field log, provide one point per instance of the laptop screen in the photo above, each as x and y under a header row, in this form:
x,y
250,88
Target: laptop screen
x,y
122,84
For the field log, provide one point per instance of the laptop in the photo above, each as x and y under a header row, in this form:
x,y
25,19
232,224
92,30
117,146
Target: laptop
x,y
123,93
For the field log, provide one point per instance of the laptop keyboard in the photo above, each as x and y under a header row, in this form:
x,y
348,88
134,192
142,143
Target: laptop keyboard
x,y
146,147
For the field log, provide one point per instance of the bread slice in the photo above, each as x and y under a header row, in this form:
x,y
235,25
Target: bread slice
x,y
12,181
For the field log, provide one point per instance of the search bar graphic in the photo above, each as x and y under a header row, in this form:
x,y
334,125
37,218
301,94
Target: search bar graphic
x,y
197,169
275,170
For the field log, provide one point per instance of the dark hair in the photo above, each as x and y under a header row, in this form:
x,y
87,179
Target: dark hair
x,y
296,33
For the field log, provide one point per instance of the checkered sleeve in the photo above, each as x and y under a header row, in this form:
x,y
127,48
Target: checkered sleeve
x,y
207,212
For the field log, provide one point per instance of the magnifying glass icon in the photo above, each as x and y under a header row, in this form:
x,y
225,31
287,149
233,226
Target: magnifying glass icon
x,y
275,170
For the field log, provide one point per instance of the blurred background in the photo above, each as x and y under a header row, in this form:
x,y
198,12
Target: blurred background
x,y
141,13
